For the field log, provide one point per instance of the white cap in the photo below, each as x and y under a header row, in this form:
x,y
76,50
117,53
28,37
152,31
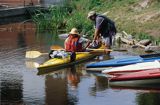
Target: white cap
x,y
91,13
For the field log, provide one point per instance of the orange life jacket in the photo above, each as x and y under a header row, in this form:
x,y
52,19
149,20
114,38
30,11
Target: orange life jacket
x,y
72,44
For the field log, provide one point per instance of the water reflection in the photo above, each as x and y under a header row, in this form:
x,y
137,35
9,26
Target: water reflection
x,y
21,42
56,90
151,88
101,84
148,99
61,87
17,86
10,20
73,77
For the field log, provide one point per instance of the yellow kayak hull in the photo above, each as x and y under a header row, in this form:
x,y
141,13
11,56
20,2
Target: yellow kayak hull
x,y
57,63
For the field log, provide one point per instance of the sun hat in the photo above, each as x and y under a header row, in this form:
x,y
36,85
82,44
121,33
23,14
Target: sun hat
x,y
74,31
91,13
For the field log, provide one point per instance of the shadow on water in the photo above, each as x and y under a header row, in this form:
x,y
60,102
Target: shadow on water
x,y
148,99
16,19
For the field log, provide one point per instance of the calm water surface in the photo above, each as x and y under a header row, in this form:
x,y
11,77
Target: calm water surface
x,y
21,84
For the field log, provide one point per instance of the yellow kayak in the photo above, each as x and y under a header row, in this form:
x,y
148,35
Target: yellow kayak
x,y
57,63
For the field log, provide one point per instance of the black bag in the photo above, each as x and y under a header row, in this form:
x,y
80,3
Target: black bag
x,y
112,27
110,24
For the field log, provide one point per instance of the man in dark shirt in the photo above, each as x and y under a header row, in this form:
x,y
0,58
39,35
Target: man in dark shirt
x,y
104,28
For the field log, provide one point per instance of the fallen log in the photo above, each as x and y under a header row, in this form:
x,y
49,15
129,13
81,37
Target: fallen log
x,y
124,40
145,42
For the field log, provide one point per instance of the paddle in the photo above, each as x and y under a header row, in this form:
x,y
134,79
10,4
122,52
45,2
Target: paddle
x,y
65,36
56,47
33,54
36,54
98,50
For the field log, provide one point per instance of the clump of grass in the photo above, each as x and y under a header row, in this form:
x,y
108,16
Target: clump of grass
x,y
144,36
79,21
54,19
71,14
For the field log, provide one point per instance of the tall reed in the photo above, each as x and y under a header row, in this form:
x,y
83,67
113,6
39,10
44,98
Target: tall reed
x,y
64,17
53,20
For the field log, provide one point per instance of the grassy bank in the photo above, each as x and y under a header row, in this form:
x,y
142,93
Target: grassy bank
x,y
130,15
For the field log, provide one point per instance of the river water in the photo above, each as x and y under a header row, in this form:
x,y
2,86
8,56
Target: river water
x,y
22,85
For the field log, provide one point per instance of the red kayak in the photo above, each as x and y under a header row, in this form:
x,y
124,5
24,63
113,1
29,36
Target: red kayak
x,y
148,77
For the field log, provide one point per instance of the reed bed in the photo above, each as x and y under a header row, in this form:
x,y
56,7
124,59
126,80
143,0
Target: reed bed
x,y
73,13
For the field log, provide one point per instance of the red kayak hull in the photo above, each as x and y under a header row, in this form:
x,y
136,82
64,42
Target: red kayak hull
x,y
146,74
147,77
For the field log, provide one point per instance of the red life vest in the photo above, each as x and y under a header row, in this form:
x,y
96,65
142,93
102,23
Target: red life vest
x,y
72,44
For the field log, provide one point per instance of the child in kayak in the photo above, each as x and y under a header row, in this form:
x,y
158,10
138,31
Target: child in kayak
x,y
75,43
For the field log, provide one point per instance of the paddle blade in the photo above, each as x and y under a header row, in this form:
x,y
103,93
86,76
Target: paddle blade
x,y
63,36
32,54
99,50
56,47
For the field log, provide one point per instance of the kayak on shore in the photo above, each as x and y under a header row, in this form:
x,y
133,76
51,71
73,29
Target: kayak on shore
x,y
125,61
140,78
132,68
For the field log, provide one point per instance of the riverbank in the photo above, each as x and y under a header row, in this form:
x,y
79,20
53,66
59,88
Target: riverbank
x,y
139,18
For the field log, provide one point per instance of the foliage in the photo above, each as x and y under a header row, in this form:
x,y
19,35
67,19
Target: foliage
x,y
54,19
144,36
73,13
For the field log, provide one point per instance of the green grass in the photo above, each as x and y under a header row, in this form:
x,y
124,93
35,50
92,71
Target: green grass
x,y
74,14
61,18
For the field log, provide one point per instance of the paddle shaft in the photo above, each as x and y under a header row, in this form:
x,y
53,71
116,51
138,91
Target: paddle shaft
x,y
88,49
35,54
